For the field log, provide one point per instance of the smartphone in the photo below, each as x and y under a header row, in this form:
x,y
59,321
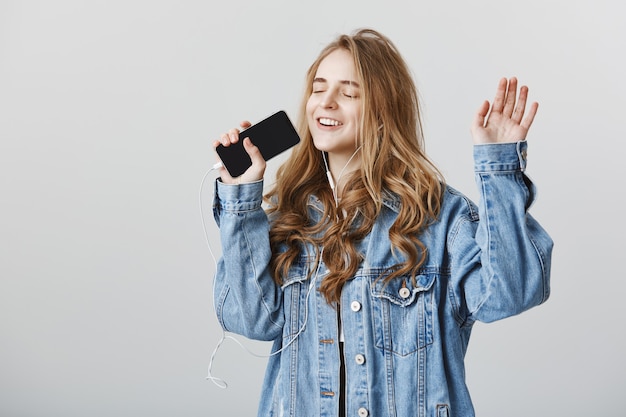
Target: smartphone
x,y
272,135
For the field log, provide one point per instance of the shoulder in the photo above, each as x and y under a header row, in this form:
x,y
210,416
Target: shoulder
x,y
455,203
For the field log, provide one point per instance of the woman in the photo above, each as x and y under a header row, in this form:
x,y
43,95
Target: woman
x,y
367,270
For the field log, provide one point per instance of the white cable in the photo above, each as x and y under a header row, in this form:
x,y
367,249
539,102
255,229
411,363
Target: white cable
x,y
330,176
206,235
218,381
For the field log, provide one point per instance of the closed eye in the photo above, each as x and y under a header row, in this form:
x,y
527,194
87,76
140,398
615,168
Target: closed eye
x,y
350,94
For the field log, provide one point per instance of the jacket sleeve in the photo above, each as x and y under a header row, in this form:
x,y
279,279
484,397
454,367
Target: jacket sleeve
x,y
500,258
246,298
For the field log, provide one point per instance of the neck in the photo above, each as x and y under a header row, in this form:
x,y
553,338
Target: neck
x,y
338,166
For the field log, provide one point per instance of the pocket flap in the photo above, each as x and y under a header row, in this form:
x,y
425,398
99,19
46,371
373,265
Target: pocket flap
x,y
401,291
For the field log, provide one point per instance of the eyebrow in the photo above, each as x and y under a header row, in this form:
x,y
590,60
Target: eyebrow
x,y
344,82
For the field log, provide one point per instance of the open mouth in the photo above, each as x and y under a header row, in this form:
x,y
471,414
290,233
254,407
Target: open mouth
x,y
324,121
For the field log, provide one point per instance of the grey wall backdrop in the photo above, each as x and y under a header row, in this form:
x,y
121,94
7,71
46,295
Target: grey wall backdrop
x,y
107,113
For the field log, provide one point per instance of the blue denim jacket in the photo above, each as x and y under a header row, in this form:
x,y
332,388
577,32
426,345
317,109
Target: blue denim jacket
x,y
404,343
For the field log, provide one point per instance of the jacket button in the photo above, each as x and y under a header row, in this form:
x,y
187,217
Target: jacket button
x,y
359,359
355,306
404,292
363,412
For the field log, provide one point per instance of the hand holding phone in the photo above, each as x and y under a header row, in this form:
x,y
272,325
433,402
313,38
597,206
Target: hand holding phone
x,y
271,136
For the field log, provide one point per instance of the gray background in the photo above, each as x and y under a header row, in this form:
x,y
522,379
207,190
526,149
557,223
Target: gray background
x,y
107,113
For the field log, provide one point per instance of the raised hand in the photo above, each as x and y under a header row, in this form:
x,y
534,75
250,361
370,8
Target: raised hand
x,y
507,120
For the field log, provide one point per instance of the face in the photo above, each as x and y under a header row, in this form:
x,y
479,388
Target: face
x,y
334,107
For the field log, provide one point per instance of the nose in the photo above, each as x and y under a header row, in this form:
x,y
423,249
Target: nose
x,y
328,100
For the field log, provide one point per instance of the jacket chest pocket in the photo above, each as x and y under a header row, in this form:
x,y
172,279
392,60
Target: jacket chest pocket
x,y
403,314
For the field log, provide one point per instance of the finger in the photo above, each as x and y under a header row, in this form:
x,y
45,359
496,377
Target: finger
x,y
498,101
530,116
520,107
509,102
233,135
224,140
253,151
245,124
481,114
256,171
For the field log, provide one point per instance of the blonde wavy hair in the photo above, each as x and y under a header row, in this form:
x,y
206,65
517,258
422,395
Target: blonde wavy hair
x,y
393,162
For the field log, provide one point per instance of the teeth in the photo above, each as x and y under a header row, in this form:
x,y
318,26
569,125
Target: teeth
x,y
329,122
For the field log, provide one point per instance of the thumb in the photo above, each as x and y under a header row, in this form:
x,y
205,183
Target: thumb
x,y
256,171
253,151
479,119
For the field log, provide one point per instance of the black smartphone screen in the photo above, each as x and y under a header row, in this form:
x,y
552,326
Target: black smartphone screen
x,y
272,136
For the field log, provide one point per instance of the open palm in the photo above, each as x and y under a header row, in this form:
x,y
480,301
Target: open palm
x,y
507,120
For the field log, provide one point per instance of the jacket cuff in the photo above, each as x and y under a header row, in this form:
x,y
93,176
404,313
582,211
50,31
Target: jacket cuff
x,y
494,157
238,197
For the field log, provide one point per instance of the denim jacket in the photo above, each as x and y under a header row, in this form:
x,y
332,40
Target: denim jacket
x,y
405,341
